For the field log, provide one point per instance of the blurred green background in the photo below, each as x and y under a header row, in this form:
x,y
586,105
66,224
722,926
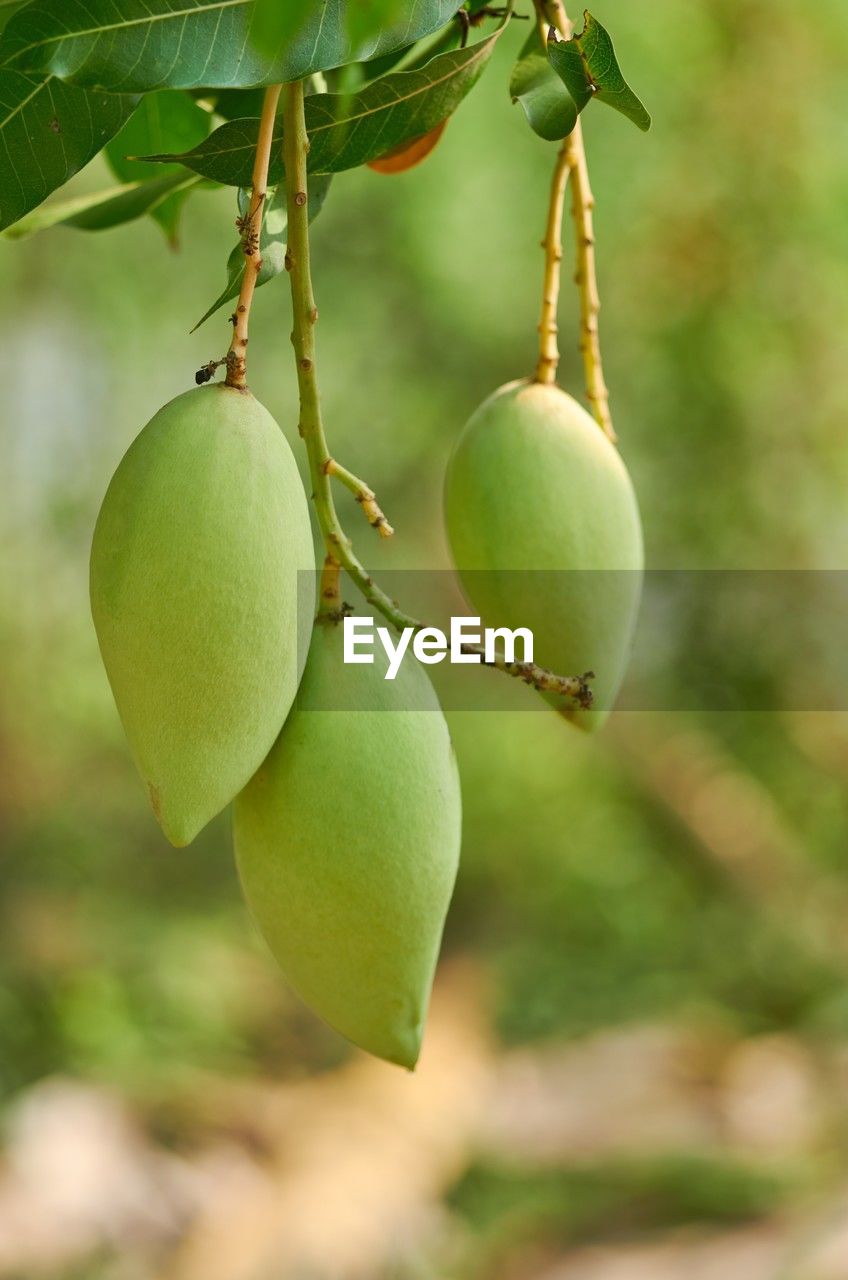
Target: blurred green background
x,y
637,1062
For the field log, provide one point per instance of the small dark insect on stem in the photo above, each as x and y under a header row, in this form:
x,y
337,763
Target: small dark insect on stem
x,y
248,229
207,371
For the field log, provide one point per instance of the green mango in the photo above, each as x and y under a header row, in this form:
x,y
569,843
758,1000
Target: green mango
x,y
347,845
535,485
197,600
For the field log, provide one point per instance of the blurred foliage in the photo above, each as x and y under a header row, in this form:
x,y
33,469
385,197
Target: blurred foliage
x,y
723,250
509,1208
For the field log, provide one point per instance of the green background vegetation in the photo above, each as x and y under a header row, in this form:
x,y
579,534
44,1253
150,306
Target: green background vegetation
x,y
680,870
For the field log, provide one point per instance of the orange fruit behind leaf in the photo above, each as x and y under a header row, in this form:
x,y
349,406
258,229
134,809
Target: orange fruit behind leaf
x,y
408,154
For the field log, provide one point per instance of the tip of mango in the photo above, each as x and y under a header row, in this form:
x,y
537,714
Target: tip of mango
x,y
404,1052
178,834
588,722
409,1062
570,717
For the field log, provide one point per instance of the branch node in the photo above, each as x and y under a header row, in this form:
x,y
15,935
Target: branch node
x,y
363,494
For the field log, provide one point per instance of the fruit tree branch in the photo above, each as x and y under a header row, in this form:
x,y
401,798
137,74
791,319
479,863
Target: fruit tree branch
x,y
571,162
250,227
546,367
338,546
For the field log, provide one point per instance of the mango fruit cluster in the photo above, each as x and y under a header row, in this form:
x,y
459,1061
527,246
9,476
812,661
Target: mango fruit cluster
x,y
347,822
347,810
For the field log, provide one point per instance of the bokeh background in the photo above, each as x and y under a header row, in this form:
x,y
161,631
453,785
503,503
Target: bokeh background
x,y
637,1058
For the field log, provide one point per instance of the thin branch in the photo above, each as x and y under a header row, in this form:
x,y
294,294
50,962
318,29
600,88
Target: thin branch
x,y
250,227
576,688
571,162
321,465
548,362
364,495
585,277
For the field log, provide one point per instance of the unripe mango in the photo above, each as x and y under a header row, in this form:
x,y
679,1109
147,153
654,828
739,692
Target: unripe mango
x,y
197,600
534,484
347,844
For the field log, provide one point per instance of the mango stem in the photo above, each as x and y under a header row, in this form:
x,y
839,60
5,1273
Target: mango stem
x,y
250,227
548,362
571,163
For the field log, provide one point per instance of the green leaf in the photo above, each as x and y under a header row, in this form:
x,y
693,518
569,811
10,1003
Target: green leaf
x,y
367,17
417,55
49,130
237,104
104,209
275,24
167,119
382,66
588,68
272,241
346,130
550,109
566,62
8,8
139,45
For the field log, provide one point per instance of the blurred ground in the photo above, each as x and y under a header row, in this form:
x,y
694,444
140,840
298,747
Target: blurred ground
x,y
637,1062
556,1162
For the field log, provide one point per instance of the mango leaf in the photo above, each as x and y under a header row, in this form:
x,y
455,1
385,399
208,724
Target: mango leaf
x,y
235,104
167,119
346,130
367,17
103,209
239,104
272,241
382,66
7,8
275,24
548,105
415,56
140,45
48,131
588,68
